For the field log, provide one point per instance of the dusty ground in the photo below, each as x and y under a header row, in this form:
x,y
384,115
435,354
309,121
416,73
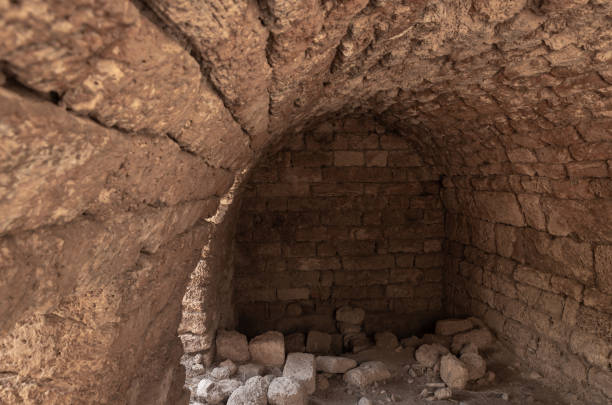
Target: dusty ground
x,y
521,385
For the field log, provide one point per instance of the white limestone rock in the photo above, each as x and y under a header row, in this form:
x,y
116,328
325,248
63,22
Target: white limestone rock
x,y
301,367
286,391
253,392
215,392
367,373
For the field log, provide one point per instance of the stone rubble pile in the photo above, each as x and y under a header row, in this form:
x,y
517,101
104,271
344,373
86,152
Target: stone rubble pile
x,y
452,354
284,370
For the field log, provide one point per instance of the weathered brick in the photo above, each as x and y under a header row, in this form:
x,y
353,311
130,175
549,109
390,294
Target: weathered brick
x,y
348,158
603,268
368,262
376,158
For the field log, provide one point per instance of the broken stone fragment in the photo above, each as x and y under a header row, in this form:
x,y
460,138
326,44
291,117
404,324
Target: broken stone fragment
x,y
318,342
386,340
225,370
215,392
232,345
351,315
268,349
443,393
453,372
477,366
301,367
335,364
412,341
286,391
428,355
481,338
253,392
246,371
364,401
469,348
449,327
367,373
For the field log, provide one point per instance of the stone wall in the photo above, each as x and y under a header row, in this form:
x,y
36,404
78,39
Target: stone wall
x,y
123,123
345,213
532,257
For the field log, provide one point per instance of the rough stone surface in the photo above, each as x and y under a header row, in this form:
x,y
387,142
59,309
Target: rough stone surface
x,y
428,355
334,364
253,392
302,368
318,342
124,125
286,391
232,345
366,374
225,370
268,349
476,365
216,392
443,393
386,340
351,315
295,343
249,370
453,372
481,338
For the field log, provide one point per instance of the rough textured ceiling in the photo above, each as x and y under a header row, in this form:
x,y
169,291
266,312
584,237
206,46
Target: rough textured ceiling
x,y
277,65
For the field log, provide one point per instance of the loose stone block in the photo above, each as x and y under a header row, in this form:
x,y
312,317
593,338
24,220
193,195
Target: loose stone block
x,y
481,338
247,371
253,392
268,349
232,345
350,315
225,370
286,391
318,342
476,365
215,392
334,364
301,367
452,326
367,373
386,340
428,355
453,372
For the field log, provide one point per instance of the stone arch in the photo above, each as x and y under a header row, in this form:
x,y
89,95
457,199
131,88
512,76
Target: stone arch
x,y
124,124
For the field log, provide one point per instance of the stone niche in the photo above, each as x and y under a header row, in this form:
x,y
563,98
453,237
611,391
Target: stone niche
x,y
345,213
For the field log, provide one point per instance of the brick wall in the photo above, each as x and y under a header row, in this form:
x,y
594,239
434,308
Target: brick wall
x,y
531,255
346,213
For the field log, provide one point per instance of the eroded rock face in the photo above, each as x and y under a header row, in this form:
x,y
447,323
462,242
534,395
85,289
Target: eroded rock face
x,y
122,128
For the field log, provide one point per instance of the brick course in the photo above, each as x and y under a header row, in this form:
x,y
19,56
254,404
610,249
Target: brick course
x,y
363,217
